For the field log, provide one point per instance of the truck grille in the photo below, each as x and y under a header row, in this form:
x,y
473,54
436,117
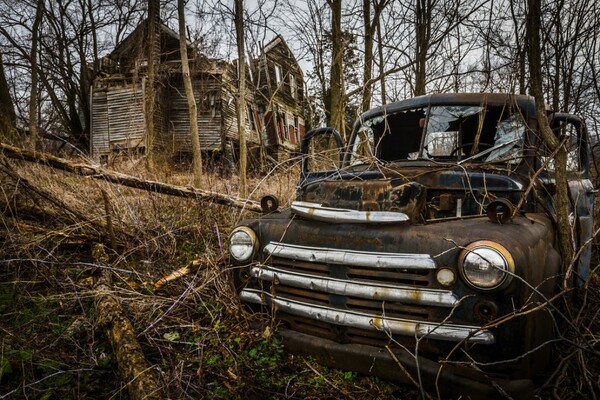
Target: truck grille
x,y
365,291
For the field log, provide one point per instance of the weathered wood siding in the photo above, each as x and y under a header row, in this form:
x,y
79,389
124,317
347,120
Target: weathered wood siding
x,y
228,101
99,131
280,80
207,92
117,119
277,53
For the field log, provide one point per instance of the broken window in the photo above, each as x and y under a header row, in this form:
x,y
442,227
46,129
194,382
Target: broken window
x,y
447,133
251,118
293,87
278,73
296,129
508,140
362,150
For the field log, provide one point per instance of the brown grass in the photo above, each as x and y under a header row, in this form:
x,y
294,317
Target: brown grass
x,y
192,329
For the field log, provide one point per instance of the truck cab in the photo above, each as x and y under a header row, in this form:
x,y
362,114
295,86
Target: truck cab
x,y
428,255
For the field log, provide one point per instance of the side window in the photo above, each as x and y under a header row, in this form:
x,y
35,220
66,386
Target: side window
x,y
362,149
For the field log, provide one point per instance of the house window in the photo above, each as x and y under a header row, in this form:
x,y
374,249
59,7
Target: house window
x,y
286,132
212,101
251,120
278,73
293,87
249,69
296,129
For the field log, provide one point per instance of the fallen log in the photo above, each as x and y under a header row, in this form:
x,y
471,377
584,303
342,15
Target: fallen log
x,y
100,173
135,371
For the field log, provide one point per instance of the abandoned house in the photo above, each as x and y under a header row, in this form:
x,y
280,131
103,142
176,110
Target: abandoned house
x,y
279,84
274,99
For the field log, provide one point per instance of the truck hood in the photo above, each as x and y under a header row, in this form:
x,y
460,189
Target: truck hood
x,y
445,193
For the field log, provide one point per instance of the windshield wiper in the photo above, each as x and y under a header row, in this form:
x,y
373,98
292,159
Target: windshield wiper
x,y
487,151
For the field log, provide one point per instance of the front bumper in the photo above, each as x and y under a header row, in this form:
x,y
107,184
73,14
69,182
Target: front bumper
x,y
440,381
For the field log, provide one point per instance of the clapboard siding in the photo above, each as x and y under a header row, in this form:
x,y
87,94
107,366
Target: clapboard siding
x,y
117,119
126,123
100,134
228,100
208,103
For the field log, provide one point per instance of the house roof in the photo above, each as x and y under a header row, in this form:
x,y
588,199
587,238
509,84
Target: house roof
x,y
133,40
280,41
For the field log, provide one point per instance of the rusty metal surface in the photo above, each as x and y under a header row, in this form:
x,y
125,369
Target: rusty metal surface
x,y
440,190
528,239
392,326
338,215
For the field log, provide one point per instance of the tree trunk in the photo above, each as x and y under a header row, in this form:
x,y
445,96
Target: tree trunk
x,y
7,111
368,46
336,91
189,93
381,64
241,103
33,98
562,188
149,93
423,31
371,26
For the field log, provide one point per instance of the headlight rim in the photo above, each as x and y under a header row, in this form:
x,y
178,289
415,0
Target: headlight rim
x,y
509,271
255,243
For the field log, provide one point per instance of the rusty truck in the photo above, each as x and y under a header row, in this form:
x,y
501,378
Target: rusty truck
x,y
428,254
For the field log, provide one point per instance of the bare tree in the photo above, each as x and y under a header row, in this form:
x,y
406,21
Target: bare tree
x,y
336,92
152,52
370,26
241,95
33,97
69,39
189,93
562,187
423,12
7,112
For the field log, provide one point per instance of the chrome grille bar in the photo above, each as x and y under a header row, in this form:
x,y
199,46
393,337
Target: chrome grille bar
x,y
379,291
448,332
326,255
318,212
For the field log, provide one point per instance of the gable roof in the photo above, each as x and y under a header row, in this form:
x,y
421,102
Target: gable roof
x,y
168,38
279,41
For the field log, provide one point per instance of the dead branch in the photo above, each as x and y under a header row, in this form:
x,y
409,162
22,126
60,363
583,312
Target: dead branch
x,y
97,172
138,374
181,272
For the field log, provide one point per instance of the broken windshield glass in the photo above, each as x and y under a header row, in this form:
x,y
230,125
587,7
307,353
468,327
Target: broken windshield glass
x,y
508,139
444,126
458,133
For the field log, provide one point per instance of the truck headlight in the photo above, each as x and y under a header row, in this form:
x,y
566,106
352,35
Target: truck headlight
x,y
243,244
486,265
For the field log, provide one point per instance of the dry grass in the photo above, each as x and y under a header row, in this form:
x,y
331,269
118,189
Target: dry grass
x,y
192,329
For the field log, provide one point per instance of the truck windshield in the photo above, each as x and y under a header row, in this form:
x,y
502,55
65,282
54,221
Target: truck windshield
x,y
445,133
